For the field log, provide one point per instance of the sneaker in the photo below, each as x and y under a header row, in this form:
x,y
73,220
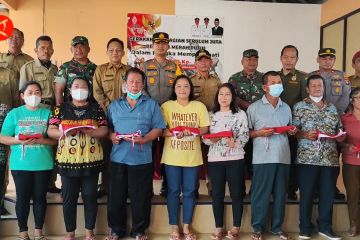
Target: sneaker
x,y
340,196
330,235
304,236
54,190
4,212
292,196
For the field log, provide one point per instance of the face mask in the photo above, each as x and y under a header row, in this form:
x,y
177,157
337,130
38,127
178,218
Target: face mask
x,y
133,96
32,100
79,94
316,99
275,90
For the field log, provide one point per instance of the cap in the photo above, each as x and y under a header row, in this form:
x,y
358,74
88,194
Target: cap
x,y
202,53
160,37
250,53
79,39
356,55
327,52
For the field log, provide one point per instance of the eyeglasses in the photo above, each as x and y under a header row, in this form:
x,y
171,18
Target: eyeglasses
x,y
356,98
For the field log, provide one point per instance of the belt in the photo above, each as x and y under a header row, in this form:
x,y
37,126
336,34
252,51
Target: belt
x,y
47,102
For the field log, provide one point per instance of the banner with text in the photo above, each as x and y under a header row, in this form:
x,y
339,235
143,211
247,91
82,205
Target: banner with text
x,y
187,35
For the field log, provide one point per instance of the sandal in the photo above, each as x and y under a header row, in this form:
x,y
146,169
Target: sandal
x,y
174,236
23,238
233,233
70,238
92,237
112,237
352,232
256,236
284,236
141,237
189,236
42,237
218,236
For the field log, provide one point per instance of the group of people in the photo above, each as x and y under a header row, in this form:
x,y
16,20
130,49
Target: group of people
x,y
125,121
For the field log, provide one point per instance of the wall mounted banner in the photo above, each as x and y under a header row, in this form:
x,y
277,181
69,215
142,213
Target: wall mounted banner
x,y
187,34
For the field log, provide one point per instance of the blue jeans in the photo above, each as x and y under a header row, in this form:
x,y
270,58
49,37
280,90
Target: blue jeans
x,y
268,179
181,179
319,178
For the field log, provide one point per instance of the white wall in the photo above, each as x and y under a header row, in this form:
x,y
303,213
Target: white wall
x,y
266,27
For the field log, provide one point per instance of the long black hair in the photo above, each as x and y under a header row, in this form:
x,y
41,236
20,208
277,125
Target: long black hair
x,y
191,95
233,106
354,92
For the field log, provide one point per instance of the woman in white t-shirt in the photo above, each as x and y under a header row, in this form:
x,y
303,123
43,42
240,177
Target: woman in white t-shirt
x,y
226,158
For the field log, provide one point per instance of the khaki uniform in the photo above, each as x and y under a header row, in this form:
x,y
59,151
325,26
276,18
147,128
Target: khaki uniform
x,y
108,83
205,89
160,78
15,62
337,88
35,71
354,81
294,87
9,94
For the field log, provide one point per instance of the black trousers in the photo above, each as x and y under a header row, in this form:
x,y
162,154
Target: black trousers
x,y
135,180
293,177
233,173
71,186
30,185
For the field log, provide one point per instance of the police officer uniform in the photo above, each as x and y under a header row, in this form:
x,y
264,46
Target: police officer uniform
x,y
44,74
73,69
108,83
160,76
337,86
205,88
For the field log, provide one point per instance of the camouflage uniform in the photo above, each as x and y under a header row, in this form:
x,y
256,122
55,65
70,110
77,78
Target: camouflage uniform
x,y
205,89
294,87
70,71
337,88
248,87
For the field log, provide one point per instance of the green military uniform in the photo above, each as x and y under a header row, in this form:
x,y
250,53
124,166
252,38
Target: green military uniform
x,y
205,89
35,71
248,87
108,83
160,78
337,88
70,71
354,81
9,94
294,84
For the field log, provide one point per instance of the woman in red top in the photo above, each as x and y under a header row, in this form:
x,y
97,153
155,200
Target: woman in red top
x,y
351,158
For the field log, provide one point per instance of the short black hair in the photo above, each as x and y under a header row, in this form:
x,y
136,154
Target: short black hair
x,y
290,46
217,20
191,95
29,83
314,77
43,38
266,75
233,106
137,71
21,32
90,95
115,40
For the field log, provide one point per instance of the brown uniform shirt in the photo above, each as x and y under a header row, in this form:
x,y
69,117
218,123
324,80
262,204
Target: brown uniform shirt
x,y
108,83
205,89
35,71
15,62
9,94
354,81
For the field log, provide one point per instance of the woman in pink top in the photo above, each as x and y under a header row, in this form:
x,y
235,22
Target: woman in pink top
x,y
351,158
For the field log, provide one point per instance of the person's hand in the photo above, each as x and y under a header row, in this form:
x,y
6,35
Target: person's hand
x,y
87,131
180,135
265,132
311,135
341,138
139,140
292,131
113,138
187,132
29,142
230,142
215,140
73,132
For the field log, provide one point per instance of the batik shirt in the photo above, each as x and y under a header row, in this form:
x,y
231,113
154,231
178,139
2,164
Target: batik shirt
x,y
308,117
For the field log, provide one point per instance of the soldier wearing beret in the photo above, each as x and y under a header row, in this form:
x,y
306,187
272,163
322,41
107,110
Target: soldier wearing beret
x,y
294,83
160,75
249,88
79,66
355,79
